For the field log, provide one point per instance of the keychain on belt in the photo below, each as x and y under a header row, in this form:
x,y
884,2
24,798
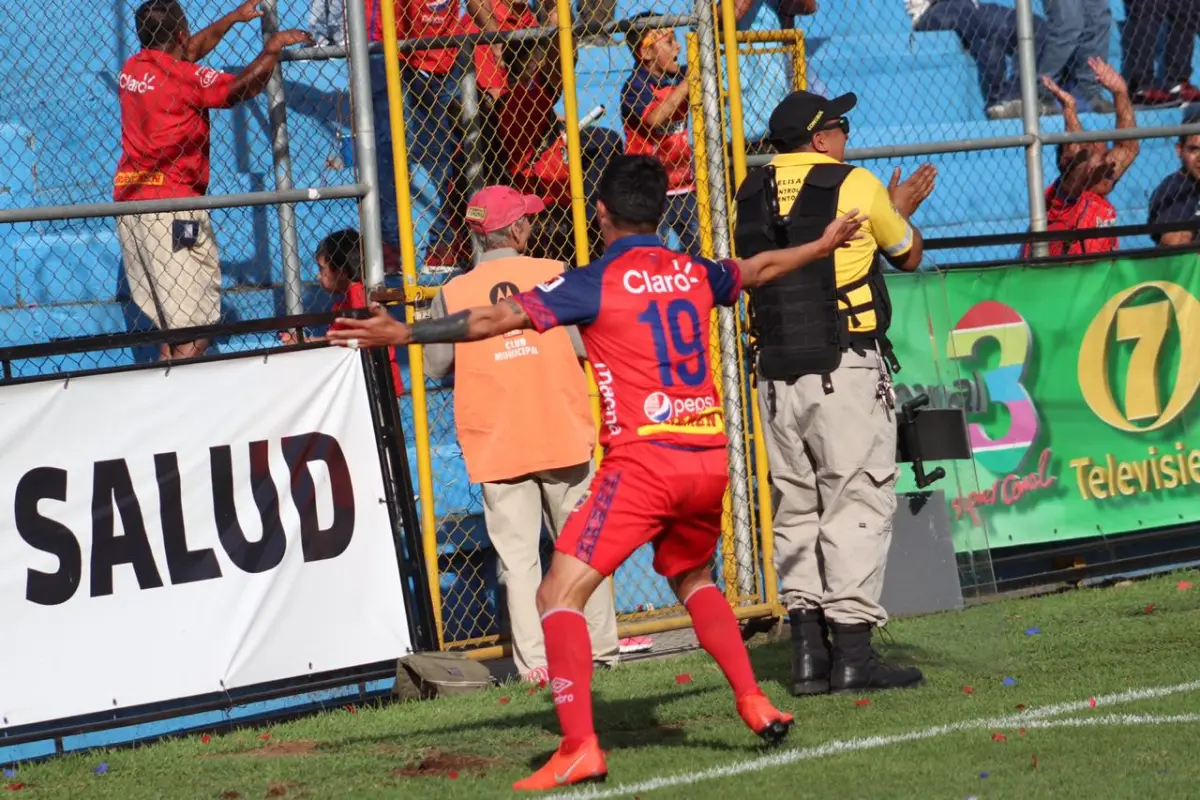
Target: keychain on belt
x,y
885,391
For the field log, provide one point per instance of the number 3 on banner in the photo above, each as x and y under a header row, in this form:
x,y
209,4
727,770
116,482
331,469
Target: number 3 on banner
x,y
1009,330
683,323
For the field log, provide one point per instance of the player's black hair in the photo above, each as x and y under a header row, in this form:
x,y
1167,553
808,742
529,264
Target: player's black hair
x,y
634,36
634,190
343,252
159,23
1191,116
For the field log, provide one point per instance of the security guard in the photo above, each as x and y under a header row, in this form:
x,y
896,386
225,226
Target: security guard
x,y
824,367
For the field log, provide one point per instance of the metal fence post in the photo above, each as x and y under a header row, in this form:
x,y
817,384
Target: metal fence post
x,y
469,87
742,534
364,143
293,295
1030,113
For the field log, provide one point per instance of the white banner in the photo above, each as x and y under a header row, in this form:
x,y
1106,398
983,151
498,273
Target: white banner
x,y
165,534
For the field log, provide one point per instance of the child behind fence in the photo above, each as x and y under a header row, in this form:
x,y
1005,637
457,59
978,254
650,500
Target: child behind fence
x,y
339,264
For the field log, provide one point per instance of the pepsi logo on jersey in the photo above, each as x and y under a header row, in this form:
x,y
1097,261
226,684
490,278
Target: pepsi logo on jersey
x,y
659,407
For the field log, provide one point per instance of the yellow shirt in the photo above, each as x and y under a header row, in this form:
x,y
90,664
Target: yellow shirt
x,y
884,229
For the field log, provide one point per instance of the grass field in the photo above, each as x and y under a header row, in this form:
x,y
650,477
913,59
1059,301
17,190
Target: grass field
x,y
1134,649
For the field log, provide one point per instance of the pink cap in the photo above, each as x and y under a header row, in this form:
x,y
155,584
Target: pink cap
x,y
496,207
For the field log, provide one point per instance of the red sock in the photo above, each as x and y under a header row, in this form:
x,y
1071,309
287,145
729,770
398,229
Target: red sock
x,y
569,662
717,629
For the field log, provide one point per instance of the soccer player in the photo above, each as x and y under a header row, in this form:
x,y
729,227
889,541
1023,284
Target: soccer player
x,y
643,313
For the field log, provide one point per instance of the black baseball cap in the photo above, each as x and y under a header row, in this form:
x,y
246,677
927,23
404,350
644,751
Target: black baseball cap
x,y
801,114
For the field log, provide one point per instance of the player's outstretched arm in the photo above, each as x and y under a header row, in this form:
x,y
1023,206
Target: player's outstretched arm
x,y
768,266
380,330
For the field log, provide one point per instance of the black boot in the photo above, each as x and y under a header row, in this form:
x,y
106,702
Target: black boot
x,y
810,652
857,667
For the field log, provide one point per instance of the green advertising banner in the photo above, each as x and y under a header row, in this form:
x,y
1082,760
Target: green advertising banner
x,y
1079,384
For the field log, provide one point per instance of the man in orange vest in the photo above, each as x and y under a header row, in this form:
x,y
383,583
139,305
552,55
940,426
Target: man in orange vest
x,y
524,421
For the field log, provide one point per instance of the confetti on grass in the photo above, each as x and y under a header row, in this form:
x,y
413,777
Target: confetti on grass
x,y
15,787
999,737
983,774
505,701
1092,702
102,769
1183,586
1010,681
1150,608
205,739
682,679
266,737
863,702
968,690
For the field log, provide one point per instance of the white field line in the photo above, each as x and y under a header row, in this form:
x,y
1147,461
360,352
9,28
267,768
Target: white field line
x,y
1114,719
1039,717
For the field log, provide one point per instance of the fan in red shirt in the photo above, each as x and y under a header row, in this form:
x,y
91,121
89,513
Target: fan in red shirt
x,y
643,312
339,271
490,72
534,142
429,79
654,110
171,260
1078,199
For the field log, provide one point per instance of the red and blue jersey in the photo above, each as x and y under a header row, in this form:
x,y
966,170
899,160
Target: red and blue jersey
x,y
644,313
642,94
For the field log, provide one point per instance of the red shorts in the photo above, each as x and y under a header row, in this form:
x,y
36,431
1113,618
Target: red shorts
x,y
650,493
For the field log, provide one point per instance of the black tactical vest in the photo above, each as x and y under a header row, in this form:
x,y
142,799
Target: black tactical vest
x,y
798,327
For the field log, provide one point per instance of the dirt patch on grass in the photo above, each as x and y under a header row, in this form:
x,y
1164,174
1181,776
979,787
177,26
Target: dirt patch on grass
x,y
298,747
439,763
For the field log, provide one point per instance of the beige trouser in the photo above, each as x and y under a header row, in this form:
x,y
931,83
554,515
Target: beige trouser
x,y
174,285
833,480
514,511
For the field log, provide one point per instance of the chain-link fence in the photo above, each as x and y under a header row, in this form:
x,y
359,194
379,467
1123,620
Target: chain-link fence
x,y
505,117
935,79
168,166
235,205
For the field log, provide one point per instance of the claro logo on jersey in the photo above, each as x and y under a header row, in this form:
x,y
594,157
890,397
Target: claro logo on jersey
x,y
604,382
684,277
129,83
659,407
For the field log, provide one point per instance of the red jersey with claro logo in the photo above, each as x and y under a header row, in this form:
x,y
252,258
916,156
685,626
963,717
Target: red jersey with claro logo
x,y
644,314
165,126
641,95
1086,212
420,19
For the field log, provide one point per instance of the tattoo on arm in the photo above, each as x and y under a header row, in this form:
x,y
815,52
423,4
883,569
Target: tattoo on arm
x,y
450,328
513,307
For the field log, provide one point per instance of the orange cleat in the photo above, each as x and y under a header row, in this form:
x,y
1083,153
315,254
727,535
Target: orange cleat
x,y
763,718
584,764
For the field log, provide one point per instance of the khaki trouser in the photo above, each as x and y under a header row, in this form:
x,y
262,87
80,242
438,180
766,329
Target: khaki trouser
x,y
176,286
514,511
833,476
